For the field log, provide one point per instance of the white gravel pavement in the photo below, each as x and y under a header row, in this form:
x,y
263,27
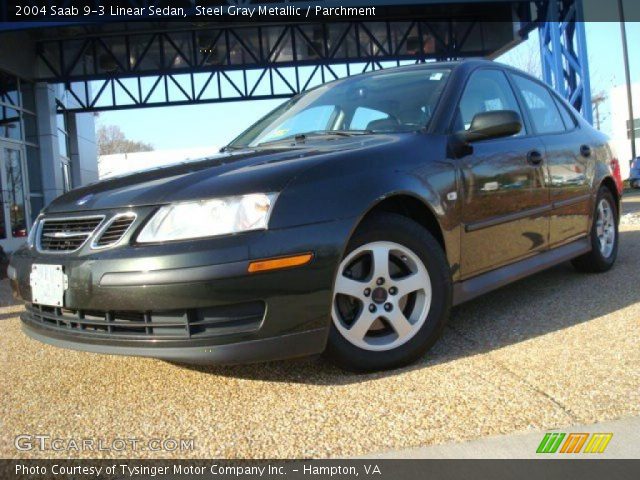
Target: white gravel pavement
x,y
557,349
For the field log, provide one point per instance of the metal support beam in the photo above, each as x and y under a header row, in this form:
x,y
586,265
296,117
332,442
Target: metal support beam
x,y
205,87
239,62
563,50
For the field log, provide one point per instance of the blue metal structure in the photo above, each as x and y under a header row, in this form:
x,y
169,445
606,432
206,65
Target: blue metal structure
x,y
563,51
221,63
116,65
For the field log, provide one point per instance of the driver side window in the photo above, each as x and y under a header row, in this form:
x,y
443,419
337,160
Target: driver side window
x,y
486,91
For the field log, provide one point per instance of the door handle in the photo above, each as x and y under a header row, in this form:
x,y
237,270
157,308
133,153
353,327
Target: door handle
x,y
534,157
585,150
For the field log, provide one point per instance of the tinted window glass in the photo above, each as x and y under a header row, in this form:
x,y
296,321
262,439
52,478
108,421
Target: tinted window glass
x,y
15,192
10,123
386,101
486,91
367,118
312,119
567,117
544,113
9,89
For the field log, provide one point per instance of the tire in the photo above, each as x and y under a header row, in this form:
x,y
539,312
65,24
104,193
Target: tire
x,y
417,286
601,259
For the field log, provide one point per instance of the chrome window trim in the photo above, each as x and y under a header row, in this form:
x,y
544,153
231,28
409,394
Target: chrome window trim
x,y
100,231
62,219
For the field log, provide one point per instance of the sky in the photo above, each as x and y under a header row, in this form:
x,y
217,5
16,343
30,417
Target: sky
x,y
205,125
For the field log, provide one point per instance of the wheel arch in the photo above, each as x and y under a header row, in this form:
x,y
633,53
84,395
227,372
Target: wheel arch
x,y
610,184
411,206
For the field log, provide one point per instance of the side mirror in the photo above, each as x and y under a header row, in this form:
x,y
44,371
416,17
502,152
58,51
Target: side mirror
x,y
495,124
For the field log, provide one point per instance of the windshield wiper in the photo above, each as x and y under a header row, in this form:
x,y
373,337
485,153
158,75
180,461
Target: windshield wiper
x,y
229,148
342,133
301,137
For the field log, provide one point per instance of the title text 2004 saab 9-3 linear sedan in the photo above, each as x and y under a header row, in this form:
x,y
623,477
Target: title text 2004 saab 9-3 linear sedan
x,y
349,220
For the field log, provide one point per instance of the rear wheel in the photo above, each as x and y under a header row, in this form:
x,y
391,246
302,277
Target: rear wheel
x,y
603,236
392,295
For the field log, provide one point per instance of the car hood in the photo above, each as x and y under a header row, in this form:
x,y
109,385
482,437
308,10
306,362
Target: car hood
x,y
233,173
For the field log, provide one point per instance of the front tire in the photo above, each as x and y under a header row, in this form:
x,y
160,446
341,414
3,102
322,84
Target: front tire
x,y
604,236
392,295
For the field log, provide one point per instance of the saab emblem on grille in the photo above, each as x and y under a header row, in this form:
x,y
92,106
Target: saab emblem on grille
x,y
65,234
84,199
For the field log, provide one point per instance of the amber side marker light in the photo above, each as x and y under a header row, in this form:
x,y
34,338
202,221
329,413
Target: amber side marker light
x,y
280,262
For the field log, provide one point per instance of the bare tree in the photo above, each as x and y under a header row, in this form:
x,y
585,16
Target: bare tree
x,y
112,140
596,102
525,57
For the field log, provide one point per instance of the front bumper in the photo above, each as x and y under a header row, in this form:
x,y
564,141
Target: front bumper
x,y
192,301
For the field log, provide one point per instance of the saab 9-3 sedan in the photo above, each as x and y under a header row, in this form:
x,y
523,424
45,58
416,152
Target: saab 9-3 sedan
x,y
348,221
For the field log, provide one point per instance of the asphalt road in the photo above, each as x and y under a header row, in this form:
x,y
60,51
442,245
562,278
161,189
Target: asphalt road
x,y
557,349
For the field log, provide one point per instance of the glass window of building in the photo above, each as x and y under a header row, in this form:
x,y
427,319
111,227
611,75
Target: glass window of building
x,y
63,140
19,154
14,179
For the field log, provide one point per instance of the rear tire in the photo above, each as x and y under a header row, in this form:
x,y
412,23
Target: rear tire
x,y
603,236
392,295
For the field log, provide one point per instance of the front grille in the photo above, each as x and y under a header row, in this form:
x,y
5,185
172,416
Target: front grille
x,y
66,234
154,325
115,230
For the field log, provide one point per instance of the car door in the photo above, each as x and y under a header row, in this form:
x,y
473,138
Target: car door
x,y
505,196
567,160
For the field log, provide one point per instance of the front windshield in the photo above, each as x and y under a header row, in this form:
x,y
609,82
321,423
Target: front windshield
x,y
387,102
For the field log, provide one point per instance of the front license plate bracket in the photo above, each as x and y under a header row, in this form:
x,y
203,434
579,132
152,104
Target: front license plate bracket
x,y
48,284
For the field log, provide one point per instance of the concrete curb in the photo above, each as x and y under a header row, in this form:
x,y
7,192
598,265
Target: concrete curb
x,y
625,444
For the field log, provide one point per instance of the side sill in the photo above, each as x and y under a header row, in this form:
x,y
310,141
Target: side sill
x,y
476,286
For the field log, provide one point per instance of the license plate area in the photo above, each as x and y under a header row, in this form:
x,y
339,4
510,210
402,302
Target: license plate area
x,y
48,284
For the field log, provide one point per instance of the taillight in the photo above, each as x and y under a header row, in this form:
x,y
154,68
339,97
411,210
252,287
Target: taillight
x,y
617,176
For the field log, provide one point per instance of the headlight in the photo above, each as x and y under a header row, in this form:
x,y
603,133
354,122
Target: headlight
x,y
208,218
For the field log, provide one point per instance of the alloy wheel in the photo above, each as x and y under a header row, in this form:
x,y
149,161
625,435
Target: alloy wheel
x,y
382,296
605,228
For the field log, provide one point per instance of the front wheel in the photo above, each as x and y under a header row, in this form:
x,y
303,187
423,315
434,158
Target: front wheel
x,y
392,295
603,236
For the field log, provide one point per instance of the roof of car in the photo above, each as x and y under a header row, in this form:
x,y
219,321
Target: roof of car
x,y
452,64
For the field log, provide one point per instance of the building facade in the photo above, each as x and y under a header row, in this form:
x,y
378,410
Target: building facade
x,y
43,153
621,128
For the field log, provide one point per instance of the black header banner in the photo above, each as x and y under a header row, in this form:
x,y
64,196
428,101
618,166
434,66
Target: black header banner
x,y
90,11
123,469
